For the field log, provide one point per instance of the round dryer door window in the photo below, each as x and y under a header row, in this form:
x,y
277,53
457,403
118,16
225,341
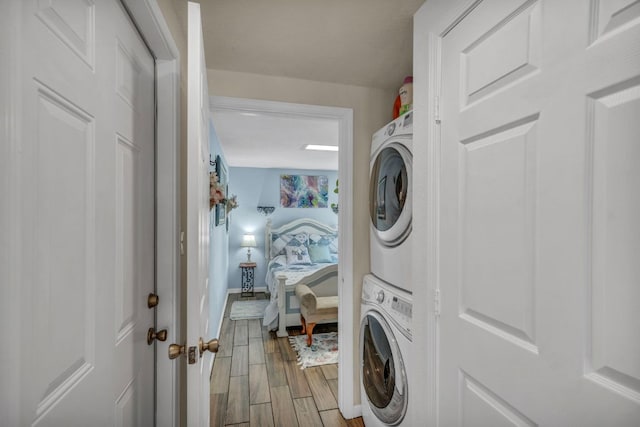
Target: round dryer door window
x,y
390,194
383,372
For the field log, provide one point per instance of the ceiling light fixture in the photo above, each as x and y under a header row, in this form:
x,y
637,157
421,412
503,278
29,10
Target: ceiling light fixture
x,y
321,147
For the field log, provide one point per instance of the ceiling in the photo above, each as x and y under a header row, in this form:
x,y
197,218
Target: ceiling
x,y
261,140
354,42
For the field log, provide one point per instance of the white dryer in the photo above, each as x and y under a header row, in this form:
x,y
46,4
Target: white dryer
x,y
390,202
385,342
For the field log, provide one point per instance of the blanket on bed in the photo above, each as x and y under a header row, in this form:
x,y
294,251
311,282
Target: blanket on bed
x,y
294,274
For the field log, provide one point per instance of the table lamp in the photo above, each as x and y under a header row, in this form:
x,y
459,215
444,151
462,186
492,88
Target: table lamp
x,y
248,241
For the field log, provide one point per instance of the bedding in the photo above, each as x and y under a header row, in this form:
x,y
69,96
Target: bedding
x,y
280,242
294,273
302,251
298,255
328,240
319,253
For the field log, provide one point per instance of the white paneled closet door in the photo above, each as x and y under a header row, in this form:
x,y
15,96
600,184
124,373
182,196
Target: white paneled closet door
x,y
536,137
82,216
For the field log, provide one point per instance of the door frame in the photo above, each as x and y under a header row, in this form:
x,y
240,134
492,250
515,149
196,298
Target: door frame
x,y
347,338
151,24
432,22
10,245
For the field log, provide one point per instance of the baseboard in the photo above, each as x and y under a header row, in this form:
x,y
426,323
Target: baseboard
x,y
352,412
224,309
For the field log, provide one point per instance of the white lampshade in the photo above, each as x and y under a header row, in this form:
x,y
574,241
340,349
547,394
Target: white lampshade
x,y
248,241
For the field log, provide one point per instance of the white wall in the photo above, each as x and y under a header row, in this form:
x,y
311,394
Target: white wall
x,y
218,252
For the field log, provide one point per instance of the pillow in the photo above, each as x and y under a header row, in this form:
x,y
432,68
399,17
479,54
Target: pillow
x,y
319,253
329,240
297,255
280,241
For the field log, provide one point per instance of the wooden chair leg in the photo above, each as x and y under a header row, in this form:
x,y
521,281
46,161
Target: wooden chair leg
x,y
304,323
309,332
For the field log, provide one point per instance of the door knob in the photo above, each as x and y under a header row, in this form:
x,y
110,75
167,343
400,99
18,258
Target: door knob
x,y
152,334
176,350
212,346
152,300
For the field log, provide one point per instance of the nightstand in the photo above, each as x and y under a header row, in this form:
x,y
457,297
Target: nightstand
x,y
248,276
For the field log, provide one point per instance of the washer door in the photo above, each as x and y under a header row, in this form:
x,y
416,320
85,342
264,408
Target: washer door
x,y
390,194
383,373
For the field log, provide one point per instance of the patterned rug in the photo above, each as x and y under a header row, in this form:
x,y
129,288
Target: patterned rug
x,y
252,309
323,349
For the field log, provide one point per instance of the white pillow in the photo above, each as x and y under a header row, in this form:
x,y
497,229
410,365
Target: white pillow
x,y
297,255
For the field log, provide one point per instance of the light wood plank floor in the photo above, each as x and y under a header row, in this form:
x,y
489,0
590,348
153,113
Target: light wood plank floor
x,y
256,382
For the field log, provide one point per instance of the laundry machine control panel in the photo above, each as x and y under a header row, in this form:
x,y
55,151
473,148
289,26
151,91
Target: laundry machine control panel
x,y
401,306
397,307
403,125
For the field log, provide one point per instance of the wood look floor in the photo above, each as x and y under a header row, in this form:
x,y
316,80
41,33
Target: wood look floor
x,y
256,381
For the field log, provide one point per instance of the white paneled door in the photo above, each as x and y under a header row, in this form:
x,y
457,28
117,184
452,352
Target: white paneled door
x,y
199,354
82,216
539,241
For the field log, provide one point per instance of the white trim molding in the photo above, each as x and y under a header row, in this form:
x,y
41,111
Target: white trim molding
x,y
431,22
153,28
10,244
348,330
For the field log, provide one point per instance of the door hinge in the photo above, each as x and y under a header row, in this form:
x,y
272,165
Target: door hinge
x,y
437,109
182,243
436,302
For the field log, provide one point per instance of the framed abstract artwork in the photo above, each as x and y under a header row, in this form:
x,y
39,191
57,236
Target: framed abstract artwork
x,y
304,191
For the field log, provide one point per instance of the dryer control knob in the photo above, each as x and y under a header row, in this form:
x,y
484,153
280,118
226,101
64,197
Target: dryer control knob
x,y
380,297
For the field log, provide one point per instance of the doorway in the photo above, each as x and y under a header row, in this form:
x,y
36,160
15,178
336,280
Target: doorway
x,y
344,119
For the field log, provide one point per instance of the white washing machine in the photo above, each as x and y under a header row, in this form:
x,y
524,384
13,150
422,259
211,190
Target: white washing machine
x,y
390,202
385,342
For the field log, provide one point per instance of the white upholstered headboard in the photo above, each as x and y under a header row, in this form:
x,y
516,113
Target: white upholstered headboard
x,y
301,225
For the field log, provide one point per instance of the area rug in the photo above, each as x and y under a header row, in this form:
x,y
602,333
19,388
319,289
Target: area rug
x,y
323,349
252,309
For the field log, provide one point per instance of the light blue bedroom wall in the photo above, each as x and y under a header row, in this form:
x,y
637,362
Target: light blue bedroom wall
x,y
219,252
261,187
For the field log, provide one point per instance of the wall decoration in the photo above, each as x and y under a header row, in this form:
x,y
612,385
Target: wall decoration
x,y
216,191
221,208
304,191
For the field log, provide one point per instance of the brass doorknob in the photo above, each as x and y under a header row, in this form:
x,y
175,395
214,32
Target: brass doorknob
x,y
152,300
212,346
152,334
176,350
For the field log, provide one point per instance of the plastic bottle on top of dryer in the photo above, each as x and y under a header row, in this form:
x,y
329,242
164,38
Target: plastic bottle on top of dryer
x,y
406,95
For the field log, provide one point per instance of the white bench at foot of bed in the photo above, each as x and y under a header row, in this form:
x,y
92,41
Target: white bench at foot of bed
x,y
323,282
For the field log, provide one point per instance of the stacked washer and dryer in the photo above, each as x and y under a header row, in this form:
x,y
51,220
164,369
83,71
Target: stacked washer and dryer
x,y
385,321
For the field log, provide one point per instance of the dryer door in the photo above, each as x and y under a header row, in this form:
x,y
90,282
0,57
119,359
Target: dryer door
x,y
383,372
390,194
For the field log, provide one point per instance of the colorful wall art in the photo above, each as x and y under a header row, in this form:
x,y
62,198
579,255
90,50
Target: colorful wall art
x,y
304,191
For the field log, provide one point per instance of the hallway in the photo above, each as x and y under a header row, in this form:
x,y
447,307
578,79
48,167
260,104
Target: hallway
x,y
256,381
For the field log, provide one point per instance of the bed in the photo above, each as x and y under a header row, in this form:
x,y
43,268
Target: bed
x,y
301,251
